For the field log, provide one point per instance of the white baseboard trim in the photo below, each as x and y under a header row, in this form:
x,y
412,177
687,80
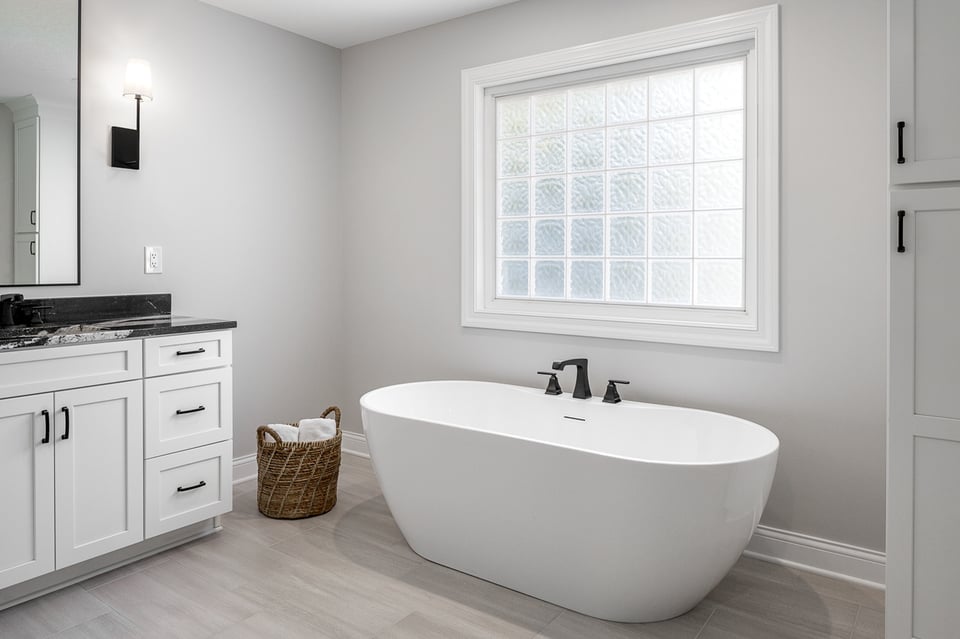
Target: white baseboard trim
x,y
796,550
821,556
355,444
245,468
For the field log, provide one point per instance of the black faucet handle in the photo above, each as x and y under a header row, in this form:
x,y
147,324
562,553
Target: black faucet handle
x,y
612,396
553,385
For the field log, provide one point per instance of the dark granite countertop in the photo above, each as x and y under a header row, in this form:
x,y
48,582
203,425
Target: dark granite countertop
x,y
97,319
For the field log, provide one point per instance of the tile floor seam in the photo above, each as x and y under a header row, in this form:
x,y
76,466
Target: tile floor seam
x,y
111,608
706,623
856,620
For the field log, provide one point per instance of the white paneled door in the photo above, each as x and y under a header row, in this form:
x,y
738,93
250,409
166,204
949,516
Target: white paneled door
x,y
26,501
924,91
99,476
923,475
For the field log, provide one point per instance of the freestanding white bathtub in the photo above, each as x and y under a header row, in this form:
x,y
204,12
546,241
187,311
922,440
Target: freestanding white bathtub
x,y
627,512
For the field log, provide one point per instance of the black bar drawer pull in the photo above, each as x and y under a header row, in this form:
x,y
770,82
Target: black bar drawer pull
x,y
181,489
900,247
196,352
33,217
33,247
66,417
900,158
46,428
191,410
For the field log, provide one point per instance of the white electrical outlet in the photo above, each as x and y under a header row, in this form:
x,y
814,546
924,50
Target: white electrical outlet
x,y
153,259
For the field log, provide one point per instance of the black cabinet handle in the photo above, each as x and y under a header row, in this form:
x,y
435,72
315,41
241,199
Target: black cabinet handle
x,y
196,352
66,417
181,489
46,429
900,247
33,247
900,158
191,410
33,217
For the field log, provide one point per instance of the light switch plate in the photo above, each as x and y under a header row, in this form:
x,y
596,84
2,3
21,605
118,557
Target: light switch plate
x,y
153,259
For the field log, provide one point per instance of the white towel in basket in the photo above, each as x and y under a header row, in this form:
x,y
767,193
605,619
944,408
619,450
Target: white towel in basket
x,y
287,432
317,429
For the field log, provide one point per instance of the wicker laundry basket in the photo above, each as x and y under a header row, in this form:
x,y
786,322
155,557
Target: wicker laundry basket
x,y
297,480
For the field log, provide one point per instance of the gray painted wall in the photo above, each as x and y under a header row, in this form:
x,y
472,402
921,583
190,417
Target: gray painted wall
x,y
239,185
823,394
6,193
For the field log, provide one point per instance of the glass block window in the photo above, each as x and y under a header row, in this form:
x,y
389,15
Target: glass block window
x,y
628,191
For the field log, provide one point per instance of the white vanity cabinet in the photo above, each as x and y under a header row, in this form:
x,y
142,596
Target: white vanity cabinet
x,y
188,396
95,458
924,92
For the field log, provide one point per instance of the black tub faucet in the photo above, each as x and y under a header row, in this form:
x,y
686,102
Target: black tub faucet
x,y
582,389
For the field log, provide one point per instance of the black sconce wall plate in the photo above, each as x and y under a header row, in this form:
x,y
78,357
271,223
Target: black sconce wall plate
x,y
125,148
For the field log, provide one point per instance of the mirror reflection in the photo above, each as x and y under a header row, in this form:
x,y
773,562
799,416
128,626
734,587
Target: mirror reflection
x,y
39,120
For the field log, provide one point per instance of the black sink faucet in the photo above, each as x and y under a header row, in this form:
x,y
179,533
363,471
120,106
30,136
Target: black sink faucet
x,y
9,303
582,389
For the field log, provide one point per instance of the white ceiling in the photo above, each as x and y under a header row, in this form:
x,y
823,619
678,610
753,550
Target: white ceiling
x,y
344,23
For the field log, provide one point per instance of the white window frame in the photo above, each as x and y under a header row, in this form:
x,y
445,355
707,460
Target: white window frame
x,y
756,327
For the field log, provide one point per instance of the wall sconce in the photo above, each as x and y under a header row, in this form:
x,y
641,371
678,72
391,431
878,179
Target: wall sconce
x,y
126,142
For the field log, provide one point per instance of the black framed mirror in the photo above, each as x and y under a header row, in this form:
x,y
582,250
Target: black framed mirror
x,y
39,142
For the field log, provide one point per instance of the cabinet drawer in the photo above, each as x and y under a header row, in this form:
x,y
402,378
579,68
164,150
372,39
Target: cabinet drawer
x,y
186,487
188,352
187,410
47,369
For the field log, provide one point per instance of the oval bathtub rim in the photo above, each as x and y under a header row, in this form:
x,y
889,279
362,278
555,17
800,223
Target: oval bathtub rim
x,y
774,451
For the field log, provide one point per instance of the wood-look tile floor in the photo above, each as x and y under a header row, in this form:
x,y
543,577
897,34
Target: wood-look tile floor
x,y
349,573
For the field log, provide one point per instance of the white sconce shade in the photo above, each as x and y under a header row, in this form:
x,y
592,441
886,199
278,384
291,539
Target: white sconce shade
x,y
138,81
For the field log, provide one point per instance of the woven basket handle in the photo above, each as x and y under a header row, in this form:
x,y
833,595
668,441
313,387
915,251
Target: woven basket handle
x,y
336,412
266,430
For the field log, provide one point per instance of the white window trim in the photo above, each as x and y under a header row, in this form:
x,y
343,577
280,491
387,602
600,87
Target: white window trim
x,y
757,327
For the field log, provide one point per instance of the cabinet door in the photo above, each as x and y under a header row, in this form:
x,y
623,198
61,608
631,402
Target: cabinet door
x,y
26,260
26,501
26,168
923,444
99,470
924,92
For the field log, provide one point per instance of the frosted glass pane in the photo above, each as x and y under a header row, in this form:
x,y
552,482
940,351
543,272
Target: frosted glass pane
x,y
628,281
671,234
720,87
549,113
513,117
550,154
628,191
627,101
671,141
514,238
515,197
548,279
671,94
586,107
671,281
514,277
514,157
719,137
550,237
586,194
628,147
586,151
586,236
586,280
719,283
719,234
549,196
628,236
720,185
671,188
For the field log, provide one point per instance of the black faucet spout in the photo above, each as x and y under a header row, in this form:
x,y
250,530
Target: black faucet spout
x,y
582,388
